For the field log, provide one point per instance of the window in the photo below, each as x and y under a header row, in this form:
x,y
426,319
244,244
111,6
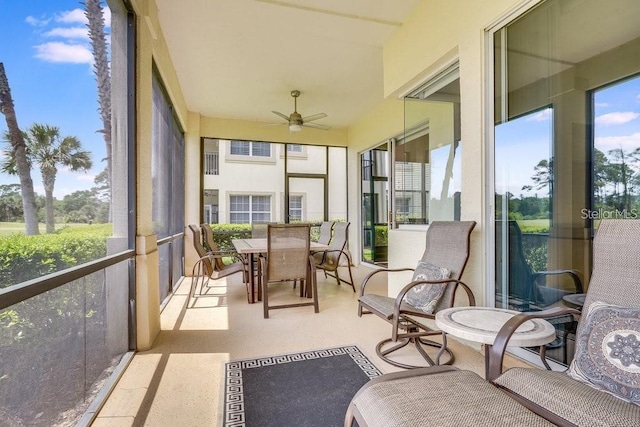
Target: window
x,y
260,149
248,209
211,162
295,208
294,148
250,148
241,148
427,156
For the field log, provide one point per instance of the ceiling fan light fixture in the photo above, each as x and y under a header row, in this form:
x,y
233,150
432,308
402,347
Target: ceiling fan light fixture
x,y
295,119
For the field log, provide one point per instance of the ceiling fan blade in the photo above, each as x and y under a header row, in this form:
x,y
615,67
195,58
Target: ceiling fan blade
x,y
316,126
314,117
281,115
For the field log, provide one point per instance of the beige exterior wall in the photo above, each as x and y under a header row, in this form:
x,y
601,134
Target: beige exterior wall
x,y
437,33
151,49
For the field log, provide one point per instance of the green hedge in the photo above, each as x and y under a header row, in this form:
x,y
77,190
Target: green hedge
x,y
225,233
24,258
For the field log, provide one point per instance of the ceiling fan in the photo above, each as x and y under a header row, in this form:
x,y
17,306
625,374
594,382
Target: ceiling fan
x,y
296,121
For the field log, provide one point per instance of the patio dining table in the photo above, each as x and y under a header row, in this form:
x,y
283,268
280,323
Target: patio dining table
x,y
252,247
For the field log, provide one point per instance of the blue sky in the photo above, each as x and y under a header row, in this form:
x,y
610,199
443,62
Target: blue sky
x,y
48,62
521,143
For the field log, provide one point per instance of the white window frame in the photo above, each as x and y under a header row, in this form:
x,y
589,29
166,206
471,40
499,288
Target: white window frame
x,y
251,207
250,155
300,209
252,148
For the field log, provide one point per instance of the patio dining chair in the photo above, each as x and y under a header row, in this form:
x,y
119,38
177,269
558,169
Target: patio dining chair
x,y
337,255
288,259
326,231
210,245
434,285
211,264
258,230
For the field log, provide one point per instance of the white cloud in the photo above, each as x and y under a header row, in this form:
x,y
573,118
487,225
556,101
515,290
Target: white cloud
x,y
77,16
617,118
74,16
542,116
64,52
36,22
69,33
627,143
107,17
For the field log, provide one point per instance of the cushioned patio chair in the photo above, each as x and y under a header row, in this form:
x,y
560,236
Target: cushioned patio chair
x,y
288,259
433,288
600,388
337,255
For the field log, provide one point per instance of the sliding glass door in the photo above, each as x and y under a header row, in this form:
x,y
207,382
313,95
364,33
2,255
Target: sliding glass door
x,y
566,154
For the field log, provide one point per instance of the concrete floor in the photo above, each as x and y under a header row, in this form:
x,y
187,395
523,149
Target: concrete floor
x,y
178,382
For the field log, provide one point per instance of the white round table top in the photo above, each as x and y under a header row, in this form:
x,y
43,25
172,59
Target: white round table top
x,y
481,324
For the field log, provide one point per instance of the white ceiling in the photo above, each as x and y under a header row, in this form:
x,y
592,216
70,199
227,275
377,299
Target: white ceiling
x,y
241,58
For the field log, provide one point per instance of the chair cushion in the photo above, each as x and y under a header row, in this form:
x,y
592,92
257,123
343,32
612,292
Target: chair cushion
x,y
455,398
575,401
425,296
608,351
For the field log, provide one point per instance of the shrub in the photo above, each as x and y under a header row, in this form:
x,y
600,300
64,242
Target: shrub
x,y
24,258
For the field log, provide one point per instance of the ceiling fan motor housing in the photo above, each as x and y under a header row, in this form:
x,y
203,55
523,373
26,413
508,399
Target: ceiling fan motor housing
x,y
295,118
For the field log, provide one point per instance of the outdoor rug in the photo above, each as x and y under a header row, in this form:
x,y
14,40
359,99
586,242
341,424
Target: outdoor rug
x,y
312,388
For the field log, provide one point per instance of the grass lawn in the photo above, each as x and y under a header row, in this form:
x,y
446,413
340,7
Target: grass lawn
x,y
9,228
534,225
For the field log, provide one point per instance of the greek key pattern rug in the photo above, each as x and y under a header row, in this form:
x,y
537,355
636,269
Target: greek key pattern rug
x,y
311,388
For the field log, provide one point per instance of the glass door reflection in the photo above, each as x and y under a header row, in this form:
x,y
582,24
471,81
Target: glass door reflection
x,y
375,204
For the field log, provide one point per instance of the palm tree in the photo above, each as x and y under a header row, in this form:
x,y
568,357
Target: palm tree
x,y
18,153
49,151
95,16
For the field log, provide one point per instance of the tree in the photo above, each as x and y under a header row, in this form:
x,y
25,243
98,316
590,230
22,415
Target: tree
x,y
94,14
622,174
543,176
10,203
84,206
600,166
19,156
49,151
